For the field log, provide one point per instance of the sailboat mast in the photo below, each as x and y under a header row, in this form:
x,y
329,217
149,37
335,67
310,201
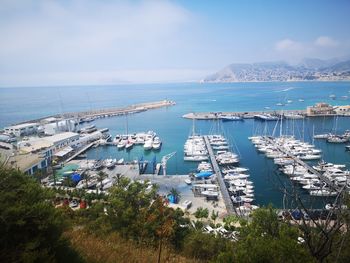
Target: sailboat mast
x,y
281,124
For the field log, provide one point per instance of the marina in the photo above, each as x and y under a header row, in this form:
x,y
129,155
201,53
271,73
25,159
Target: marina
x,y
172,133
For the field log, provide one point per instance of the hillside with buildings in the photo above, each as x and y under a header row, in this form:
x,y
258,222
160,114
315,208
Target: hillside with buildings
x,y
308,69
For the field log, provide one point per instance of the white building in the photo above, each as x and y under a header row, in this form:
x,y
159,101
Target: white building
x,y
22,129
342,110
63,139
59,126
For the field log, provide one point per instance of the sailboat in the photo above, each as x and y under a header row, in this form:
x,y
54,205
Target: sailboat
x,y
334,138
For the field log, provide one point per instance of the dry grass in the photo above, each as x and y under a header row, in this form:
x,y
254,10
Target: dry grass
x,y
116,249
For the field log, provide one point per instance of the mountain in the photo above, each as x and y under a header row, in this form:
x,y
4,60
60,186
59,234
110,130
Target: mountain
x,y
307,69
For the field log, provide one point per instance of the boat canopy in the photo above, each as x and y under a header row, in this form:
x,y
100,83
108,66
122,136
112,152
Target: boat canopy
x,y
76,177
64,152
203,174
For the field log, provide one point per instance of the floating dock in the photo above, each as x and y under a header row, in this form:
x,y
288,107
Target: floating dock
x,y
306,166
224,192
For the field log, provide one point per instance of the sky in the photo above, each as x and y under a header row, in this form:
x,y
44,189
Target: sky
x,y
77,42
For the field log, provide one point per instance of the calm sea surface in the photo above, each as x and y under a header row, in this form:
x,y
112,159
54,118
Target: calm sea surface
x,y
20,104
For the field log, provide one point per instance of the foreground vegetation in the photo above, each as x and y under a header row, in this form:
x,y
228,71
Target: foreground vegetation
x,y
134,224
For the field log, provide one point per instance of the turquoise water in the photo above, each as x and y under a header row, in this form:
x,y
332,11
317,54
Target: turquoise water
x,y
20,104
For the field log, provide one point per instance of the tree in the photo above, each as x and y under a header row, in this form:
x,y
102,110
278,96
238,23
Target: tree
x,y
128,206
31,227
101,176
229,221
269,240
160,220
214,215
201,213
206,247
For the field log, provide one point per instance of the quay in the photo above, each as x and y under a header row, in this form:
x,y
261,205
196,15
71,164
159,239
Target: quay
x,y
319,110
225,195
242,114
108,112
306,166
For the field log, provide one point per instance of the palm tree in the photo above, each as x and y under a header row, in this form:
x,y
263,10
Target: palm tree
x,y
101,176
176,194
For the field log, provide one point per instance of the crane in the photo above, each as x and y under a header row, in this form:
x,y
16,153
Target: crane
x,y
164,161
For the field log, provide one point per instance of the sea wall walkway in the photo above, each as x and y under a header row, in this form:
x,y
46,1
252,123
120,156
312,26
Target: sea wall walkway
x,y
108,112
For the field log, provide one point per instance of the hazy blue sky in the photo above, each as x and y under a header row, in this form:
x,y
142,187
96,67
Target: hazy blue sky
x,y
101,41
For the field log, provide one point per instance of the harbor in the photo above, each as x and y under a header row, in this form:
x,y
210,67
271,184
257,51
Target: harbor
x,y
119,141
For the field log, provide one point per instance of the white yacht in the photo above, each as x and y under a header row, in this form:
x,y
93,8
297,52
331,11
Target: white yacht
x,y
121,144
148,144
129,144
156,143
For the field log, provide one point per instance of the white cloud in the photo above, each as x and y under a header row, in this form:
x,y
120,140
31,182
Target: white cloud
x,y
46,37
324,41
322,47
288,45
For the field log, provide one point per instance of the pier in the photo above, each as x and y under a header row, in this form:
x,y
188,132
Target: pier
x,y
306,166
80,151
225,195
108,112
287,114
242,114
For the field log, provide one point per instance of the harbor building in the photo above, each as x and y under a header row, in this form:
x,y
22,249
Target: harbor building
x,y
56,126
29,163
22,129
320,109
62,139
342,110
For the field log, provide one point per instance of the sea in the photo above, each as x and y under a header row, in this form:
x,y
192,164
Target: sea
x,y
20,104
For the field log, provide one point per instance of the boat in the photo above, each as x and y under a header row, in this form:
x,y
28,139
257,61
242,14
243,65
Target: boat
x,y
333,206
323,192
308,157
203,174
156,143
97,165
209,193
121,144
197,158
336,139
187,204
333,96
301,100
120,161
241,199
347,147
322,136
292,116
231,118
129,144
188,181
265,117
148,145
110,163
